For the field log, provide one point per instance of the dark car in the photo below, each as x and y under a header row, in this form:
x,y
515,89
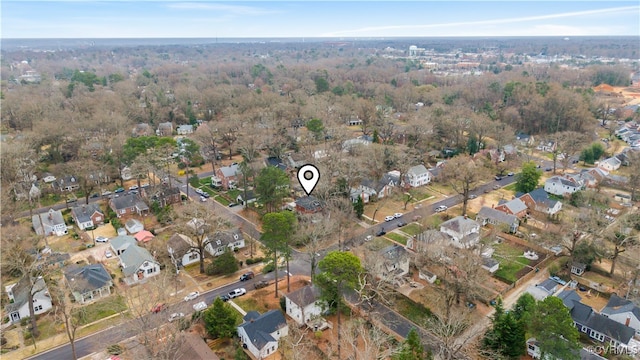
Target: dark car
x,y
260,284
247,276
401,224
548,169
225,297
119,190
381,232
95,195
498,177
233,204
471,305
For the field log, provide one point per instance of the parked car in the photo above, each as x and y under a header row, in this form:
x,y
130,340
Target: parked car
x,y
247,276
118,190
156,309
102,239
397,215
90,245
237,292
133,187
510,174
108,254
232,204
225,297
199,191
401,224
440,208
175,316
203,199
200,306
496,187
498,177
192,295
381,232
94,195
106,193
73,199
205,194
260,284
472,196
389,218
471,305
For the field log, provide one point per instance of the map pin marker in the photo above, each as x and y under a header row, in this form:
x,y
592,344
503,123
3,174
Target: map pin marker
x,y
308,176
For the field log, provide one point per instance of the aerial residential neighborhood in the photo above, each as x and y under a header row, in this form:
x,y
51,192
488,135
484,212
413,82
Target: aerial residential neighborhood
x,y
462,189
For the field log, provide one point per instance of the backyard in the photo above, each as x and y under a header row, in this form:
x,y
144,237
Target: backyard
x,y
511,259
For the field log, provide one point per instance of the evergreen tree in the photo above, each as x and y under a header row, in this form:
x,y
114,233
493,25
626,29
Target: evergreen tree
x,y
220,319
358,207
412,348
528,178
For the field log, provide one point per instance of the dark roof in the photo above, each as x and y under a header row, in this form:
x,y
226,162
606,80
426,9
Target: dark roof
x,y
568,297
178,244
548,285
304,296
488,262
579,265
394,253
126,201
87,278
83,213
259,327
542,197
310,203
195,348
277,162
619,305
584,315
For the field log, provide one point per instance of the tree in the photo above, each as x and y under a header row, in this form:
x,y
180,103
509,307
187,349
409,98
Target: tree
x,y
220,319
528,178
358,207
201,226
277,231
338,269
507,335
272,184
463,173
65,314
524,308
553,328
412,348
316,127
224,264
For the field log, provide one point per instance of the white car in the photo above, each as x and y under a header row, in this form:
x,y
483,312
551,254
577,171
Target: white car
x,y
200,306
203,199
175,316
133,187
102,239
388,218
440,208
108,254
237,292
191,296
397,215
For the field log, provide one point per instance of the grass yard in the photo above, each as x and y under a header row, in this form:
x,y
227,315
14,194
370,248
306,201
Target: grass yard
x,y
101,309
397,238
378,243
414,311
419,194
511,261
412,229
250,304
510,187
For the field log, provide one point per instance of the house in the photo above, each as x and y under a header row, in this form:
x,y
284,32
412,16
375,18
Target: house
x,y
165,129
602,328
369,188
490,264
513,207
487,215
524,139
533,350
303,304
251,198
568,297
48,178
18,294
417,176
276,162
394,262
463,232
137,264
142,129
623,311
185,129
584,178
120,243
226,177
143,236
539,200
560,186
49,223
88,283
542,290
548,146
223,241
578,268
165,195
610,164
296,160
133,226
87,216
260,333
67,183
181,251
195,348
427,275
421,242
128,204
308,205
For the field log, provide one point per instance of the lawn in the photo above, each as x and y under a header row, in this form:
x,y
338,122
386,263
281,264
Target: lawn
x,y
101,309
510,187
378,243
412,229
397,238
419,194
414,311
510,259
250,304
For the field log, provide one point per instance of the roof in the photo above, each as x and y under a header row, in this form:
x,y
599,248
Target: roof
x,y
562,180
568,297
133,226
619,305
488,262
579,265
548,285
195,348
304,296
83,213
227,237
127,201
259,327
179,244
460,224
417,170
584,314
310,203
133,257
542,197
121,242
144,236
497,215
515,206
50,218
228,171
185,128
394,253
21,292
277,162
87,278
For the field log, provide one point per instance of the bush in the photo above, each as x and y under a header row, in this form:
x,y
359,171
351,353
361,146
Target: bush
x,y
24,321
283,303
268,268
255,260
116,224
182,165
223,264
114,349
554,269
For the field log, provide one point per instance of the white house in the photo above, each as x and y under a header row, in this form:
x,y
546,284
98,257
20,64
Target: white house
x,y
18,294
137,264
260,333
185,129
560,186
49,223
490,264
302,305
463,232
417,176
87,216
223,241
180,250
393,262
623,311
610,164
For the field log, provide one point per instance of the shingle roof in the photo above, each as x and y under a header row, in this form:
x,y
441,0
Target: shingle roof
x,y
127,201
121,242
515,206
568,297
50,218
618,305
83,213
133,257
460,224
87,278
304,296
548,285
585,315
417,170
21,292
540,196
259,328
178,244
310,203
499,216
228,171
227,237
488,262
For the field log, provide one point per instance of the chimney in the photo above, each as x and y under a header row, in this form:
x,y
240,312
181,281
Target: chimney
x,y
626,322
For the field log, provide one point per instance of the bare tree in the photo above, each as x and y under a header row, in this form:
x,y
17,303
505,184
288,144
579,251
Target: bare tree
x,y
66,314
365,341
463,173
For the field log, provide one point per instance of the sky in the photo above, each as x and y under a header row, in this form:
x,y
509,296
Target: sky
x,y
305,18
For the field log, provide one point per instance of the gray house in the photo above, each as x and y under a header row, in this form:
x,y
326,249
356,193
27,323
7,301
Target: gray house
x,y
487,215
88,283
49,223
